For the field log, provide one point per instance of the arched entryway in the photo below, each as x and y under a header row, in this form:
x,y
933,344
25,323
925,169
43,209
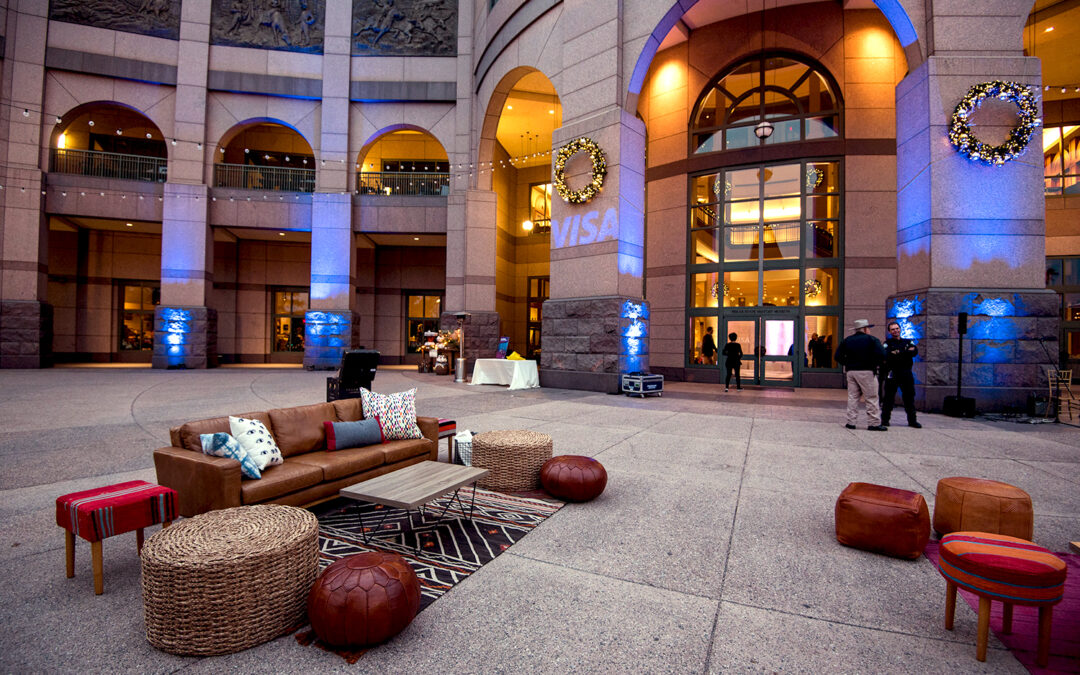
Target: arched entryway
x,y
108,140
264,155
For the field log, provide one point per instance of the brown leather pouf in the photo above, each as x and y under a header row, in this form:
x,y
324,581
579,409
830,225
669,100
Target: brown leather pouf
x,y
364,599
883,520
573,477
981,505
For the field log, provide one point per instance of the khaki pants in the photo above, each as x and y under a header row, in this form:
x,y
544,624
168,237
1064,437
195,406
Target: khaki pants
x,y
862,383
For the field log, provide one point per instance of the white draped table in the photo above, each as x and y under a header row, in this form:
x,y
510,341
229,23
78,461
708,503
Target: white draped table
x,y
517,374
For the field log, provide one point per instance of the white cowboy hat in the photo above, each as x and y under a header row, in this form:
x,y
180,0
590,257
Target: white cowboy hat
x,y
861,323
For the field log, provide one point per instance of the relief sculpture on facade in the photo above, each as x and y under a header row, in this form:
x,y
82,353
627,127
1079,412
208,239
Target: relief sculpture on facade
x,y
404,27
288,25
158,18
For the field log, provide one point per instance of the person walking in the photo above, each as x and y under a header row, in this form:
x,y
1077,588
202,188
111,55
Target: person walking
x,y
733,361
708,347
861,354
899,353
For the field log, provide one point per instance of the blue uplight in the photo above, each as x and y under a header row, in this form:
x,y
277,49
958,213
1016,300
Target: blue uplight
x,y
634,310
903,308
994,307
176,324
897,17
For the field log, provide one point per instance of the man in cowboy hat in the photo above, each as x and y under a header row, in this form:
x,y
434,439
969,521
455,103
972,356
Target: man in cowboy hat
x,y
861,354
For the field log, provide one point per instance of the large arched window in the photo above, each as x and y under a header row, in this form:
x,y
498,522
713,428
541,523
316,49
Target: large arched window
x,y
763,101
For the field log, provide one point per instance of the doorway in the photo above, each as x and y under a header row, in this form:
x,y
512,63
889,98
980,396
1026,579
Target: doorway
x,y
771,355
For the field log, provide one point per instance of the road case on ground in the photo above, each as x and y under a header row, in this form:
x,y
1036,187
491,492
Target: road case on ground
x,y
642,384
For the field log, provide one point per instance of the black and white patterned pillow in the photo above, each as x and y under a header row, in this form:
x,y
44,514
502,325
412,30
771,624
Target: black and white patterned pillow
x,y
256,440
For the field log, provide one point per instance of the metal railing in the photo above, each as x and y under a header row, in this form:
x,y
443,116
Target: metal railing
x,y
402,183
108,165
250,177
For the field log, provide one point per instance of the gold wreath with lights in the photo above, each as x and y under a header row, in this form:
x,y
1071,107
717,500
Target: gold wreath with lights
x,y
599,170
963,138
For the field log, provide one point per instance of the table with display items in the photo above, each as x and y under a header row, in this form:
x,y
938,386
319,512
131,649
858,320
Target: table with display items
x,y
517,374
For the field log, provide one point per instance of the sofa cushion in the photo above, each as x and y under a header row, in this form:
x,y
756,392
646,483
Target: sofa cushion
x,y
396,413
300,429
222,444
255,438
395,451
344,435
187,435
349,409
280,480
343,463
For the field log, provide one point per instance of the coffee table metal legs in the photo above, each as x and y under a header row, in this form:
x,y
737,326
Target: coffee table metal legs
x,y
424,524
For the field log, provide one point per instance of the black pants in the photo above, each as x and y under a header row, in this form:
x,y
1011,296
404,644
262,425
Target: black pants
x,y
733,368
906,384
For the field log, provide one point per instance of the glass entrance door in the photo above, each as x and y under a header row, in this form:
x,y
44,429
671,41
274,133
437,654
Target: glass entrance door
x,y
770,351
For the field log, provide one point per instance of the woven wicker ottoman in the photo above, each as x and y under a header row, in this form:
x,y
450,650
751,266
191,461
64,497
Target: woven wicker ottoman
x,y
514,458
227,580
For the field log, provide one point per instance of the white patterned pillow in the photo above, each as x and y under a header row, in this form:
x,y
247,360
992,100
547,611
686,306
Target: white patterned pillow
x,y
396,413
222,444
256,441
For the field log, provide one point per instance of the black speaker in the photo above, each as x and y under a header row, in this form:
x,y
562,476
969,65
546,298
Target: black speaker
x,y
959,406
961,323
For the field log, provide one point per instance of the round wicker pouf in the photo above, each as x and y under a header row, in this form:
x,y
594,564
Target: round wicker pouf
x,y
513,458
227,580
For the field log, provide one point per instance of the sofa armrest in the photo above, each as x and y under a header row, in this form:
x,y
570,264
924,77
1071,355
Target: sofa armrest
x,y
429,426
202,482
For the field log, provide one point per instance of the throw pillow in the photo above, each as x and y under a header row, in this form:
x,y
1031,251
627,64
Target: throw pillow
x,y
396,413
341,435
222,444
256,440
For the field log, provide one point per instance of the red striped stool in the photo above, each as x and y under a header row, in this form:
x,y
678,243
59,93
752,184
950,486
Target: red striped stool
x,y
1000,567
447,429
114,509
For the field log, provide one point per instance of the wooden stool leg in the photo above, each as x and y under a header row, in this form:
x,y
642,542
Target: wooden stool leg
x,y
166,524
69,552
95,554
950,604
139,539
1006,619
1042,657
984,628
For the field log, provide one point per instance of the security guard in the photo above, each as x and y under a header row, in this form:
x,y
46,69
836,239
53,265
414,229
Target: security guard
x,y
899,353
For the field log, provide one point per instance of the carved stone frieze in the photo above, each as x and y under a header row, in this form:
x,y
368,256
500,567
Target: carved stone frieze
x,y
286,25
159,18
404,27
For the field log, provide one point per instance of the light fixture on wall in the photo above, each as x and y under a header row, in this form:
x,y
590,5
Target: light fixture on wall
x,y
527,225
764,129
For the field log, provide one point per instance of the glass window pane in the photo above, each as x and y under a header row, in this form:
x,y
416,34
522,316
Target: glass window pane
x,y
822,287
743,79
781,288
147,297
781,180
705,216
742,289
1053,186
1072,343
787,131
707,115
299,302
822,177
822,127
709,142
782,241
741,242
704,340
1052,151
706,290
783,209
745,184
1070,140
740,137
281,302
147,331
132,297
1070,271
431,306
820,340
708,188
416,305
822,207
1053,272
745,110
1071,185
704,246
1072,307
783,72
779,104
821,239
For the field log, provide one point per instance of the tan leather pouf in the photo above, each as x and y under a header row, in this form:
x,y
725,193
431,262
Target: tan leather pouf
x,y
981,505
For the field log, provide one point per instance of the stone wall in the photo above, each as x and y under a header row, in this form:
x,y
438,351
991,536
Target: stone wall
x,y
184,337
25,334
1012,338
481,334
327,335
590,342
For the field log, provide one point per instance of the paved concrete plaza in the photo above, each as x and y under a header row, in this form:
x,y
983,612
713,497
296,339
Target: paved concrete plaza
x,y
711,550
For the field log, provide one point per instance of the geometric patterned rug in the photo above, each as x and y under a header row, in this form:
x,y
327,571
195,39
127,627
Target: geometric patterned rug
x,y
447,554
1023,640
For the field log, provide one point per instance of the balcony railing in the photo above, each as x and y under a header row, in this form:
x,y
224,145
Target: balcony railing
x,y
108,165
250,177
402,183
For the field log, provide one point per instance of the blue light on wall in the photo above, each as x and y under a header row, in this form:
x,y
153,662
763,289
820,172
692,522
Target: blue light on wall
x,y
176,325
634,336
902,308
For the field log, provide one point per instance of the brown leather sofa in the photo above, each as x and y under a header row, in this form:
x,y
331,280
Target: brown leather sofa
x,y
310,473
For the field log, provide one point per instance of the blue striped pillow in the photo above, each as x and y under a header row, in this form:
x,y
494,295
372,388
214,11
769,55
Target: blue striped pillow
x,y
222,444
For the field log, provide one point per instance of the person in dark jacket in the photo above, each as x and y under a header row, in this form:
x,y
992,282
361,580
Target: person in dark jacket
x,y
899,353
861,354
732,361
708,347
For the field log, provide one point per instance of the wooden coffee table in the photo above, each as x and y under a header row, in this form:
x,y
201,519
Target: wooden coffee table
x,y
412,488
